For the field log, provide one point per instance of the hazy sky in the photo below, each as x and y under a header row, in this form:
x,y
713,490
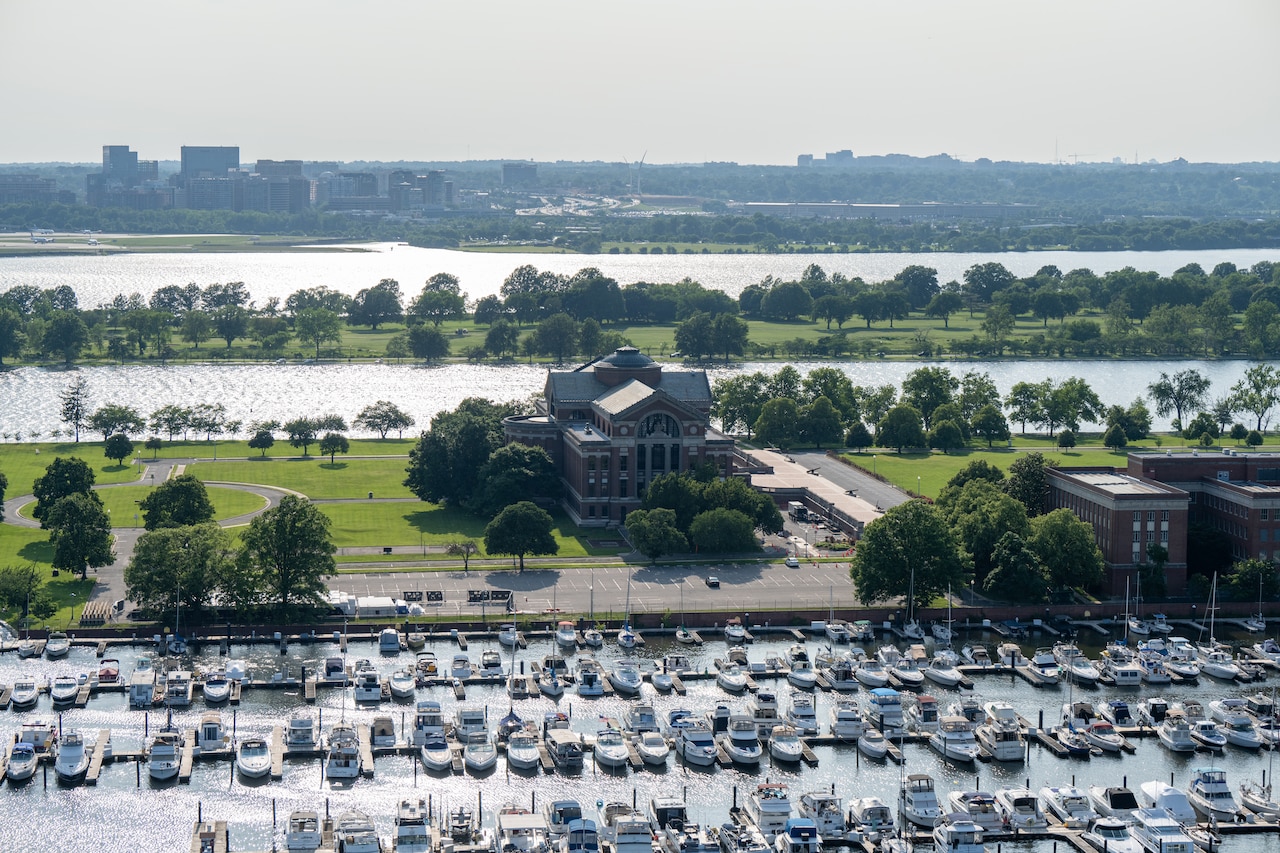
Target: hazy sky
x,y
685,81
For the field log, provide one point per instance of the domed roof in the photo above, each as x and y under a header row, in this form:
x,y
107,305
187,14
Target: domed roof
x,y
627,358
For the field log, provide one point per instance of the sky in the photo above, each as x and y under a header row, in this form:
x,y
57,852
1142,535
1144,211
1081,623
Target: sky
x,y
614,80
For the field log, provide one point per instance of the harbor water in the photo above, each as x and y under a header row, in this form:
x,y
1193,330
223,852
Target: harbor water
x,y
126,811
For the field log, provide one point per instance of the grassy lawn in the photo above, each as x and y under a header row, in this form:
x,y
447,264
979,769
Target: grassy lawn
x,y
351,478
23,463
122,503
20,546
179,449
383,524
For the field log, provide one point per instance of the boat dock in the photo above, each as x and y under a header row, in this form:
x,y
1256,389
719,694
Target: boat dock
x,y
277,752
366,749
210,837
187,757
95,760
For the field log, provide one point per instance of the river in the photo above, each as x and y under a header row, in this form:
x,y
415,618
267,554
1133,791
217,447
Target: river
x,y
127,813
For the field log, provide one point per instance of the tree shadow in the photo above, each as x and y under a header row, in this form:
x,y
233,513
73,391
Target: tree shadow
x,y
333,466
37,552
111,469
530,580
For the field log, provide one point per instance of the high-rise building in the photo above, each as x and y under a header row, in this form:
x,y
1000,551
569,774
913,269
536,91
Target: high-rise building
x,y
119,166
519,174
208,161
280,168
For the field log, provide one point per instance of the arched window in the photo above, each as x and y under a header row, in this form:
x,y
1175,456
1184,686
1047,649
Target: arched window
x,y
659,425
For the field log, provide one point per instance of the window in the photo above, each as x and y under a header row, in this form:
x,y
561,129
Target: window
x,y
1137,515
591,463
591,512
1164,536
622,463
1262,534
1264,514
1137,537
1164,515
1151,515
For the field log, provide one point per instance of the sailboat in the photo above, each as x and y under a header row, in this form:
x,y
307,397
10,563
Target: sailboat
x,y
1257,796
1215,660
942,632
683,634
911,628
592,636
177,643
1135,623
1257,623
626,636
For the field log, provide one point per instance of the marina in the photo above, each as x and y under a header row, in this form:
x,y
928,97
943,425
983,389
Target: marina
x,y
283,688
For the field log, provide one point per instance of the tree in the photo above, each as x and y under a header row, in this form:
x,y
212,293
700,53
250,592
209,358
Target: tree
x,y
786,301
989,423
944,305
721,530
1067,439
728,335
516,472
1134,422
441,299
11,334
118,447
900,428
302,432
1252,578
919,284
1066,549
332,444
197,327
946,436
557,336
519,529
427,343
398,347
80,532
738,401
112,418
289,547
858,437
445,463
179,502
978,469
654,533
376,305
984,281
997,325
927,388
779,423
979,513
62,478
172,420
1256,393
1185,391
22,588
185,564
1253,439
910,541
976,390
75,404
1202,424
1115,438
502,338
1239,432
318,326
821,423
4,484
64,333
1026,402
1028,482
230,322
464,548
209,419
382,417
262,440
869,305
695,336
678,492
1016,574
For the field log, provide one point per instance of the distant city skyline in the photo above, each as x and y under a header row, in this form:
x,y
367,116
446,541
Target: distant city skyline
x,y
751,82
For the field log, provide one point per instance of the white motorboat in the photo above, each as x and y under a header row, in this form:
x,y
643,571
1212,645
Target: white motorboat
x,y
593,638
884,710
1069,805
1104,736
611,749
1152,710
300,734
253,758
958,835
734,631
1123,671
1021,808
27,648
847,720
837,631
522,750
696,744
216,688
1208,735
403,684
741,837
731,678
1211,795
1074,664
178,688
763,708
873,744
566,635
211,734
1158,795
335,671
907,672
801,714
436,753
662,682
626,677
652,748
1110,835
461,667
640,718
1113,801
560,815
922,715
626,829
413,830
303,834
677,663
1153,668
41,734
785,744
799,835
801,674
25,694
368,686
871,673
1235,722
491,664
343,761
1010,654
626,636
23,761
589,681
976,655
1175,733
73,758
741,741
768,807
1160,624
236,669
1116,712
508,635
57,645
976,806
870,818
918,800
1258,798
1001,734
479,754
1156,831
1219,664
1268,648
521,831
954,739
64,689
355,833
382,732
942,670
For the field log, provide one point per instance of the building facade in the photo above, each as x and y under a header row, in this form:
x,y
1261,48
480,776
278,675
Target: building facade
x,y
614,425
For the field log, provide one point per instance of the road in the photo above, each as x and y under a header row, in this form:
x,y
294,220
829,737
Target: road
x,y
847,477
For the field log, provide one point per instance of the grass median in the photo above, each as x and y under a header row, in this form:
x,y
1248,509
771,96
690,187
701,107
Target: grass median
x,y
314,477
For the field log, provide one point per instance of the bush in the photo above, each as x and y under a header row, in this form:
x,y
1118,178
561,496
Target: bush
x,y
1066,439
1254,438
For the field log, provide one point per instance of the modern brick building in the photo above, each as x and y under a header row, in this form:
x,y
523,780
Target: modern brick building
x,y
615,424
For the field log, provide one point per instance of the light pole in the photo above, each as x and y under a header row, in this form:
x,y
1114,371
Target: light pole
x,y
873,465
917,484
72,617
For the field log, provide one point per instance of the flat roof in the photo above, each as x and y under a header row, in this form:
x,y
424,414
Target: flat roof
x,y
1116,484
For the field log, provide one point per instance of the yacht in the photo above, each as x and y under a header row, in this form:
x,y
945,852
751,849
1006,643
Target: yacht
x,y
22,762
389,641
491,664
1104,736
343,761
918,800
872,818
697,745
382,731
1069,805
355,834
653,748
907,672
1122,668
211,735
873,744
676,663
799,835
216,688
611,749
801,674
427,719
593,638
1153,710
581,837
741,838
565,746
626,636
1075,665
303,833
368,686
922,715
768,807
436,753
253,758
958,836
626,678
1211,795
1175,733
63,689
1110,835
479,754
954,739
1157,831
785,744
73,758
1219,664
732,678
413,834
942,670
57,645
625,829
976,806
1208,735
522,750
884,709
566,635
800,713
1161,796
559,814
41,734
142,684
164,755
826,810
1001,734
26,693
300,734
468,721
335,671
1113,801
1237,725
461,667
847,720
590,678
1153,669
742,741
178,689
763,708
403,683
508,635
871,673
976,655
550,683
641,718
837,631
1116,712
1021,809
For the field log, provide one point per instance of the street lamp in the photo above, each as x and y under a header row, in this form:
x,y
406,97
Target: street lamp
x,y
72,617
873,464
917,484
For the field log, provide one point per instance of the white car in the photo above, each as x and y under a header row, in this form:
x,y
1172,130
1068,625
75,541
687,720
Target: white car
x,y
792,563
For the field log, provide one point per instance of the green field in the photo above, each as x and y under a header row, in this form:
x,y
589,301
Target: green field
x,y
23,463
22,545
315,478
121,503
